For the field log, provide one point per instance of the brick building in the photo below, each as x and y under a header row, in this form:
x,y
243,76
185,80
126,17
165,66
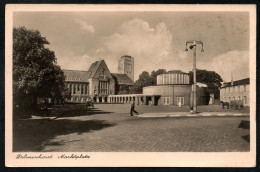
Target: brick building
x,y
96,83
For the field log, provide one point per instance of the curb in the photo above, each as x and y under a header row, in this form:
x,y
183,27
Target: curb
x,y
191,115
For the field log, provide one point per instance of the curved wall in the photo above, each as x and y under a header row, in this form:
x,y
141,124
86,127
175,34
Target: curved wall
x,y
173,92
173,78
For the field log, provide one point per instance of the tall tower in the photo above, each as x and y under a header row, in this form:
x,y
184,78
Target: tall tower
x,y
126,66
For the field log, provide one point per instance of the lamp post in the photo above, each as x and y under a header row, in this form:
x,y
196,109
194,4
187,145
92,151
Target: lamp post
x,y
193,46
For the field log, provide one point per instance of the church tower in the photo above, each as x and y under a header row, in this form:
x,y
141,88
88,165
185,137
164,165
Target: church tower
x,y
126,66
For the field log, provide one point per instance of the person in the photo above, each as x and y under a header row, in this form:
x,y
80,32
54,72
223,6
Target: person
x,y
133,109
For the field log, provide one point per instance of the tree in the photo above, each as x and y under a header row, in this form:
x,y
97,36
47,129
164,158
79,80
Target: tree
x,y
210,78
35,72
154,75
146,79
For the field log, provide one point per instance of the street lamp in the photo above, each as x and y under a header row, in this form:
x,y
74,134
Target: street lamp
x,y
194,90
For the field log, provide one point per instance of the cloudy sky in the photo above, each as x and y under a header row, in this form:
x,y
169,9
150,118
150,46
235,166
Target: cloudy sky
x,y
156,40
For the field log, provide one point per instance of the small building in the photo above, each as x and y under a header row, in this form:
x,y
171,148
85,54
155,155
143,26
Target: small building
x,y
236,90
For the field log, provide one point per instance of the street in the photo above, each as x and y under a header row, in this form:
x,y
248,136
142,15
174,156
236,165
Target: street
x,y
109,128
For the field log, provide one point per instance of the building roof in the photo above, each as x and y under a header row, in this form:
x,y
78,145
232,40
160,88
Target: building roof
x,y
94,67
76,75
122,79
245,81
176,71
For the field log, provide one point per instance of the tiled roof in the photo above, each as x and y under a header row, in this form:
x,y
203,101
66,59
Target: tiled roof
x,y
122,79
76,75
94,67
245,81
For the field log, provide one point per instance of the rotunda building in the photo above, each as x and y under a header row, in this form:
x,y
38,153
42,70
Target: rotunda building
x,y
172,88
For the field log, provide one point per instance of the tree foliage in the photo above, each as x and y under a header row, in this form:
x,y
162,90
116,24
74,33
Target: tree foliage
x,y
146,79
35,72
210,78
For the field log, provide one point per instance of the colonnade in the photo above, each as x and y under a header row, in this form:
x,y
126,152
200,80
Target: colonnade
x,y
139,99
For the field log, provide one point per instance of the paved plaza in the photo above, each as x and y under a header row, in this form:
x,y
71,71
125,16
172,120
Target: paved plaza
x,y
109,128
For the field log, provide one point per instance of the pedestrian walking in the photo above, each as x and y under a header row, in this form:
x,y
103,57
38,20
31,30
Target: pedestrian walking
x,y
133,109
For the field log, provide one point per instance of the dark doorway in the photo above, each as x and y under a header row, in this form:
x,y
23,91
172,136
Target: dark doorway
x,y
100,99
105,99
156,100
148,100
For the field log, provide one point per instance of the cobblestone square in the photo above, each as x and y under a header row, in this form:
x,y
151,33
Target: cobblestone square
x,y
109,128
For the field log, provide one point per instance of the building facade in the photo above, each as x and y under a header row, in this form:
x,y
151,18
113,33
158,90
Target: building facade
x,y
237,90
96,83
99,85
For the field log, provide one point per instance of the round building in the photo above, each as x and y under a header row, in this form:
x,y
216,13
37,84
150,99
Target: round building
x,y
172,88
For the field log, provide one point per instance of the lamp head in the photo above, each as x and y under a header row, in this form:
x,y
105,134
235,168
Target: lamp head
x,y
191,47
186,49
202,50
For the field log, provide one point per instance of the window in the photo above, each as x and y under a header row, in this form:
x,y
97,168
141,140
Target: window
x,y
81,89
180,99
74,89
166,100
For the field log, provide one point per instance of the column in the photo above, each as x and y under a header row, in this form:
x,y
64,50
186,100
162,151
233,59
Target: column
x,y
137,100
80,87
145,101
162,78
97,99
103,99
153,100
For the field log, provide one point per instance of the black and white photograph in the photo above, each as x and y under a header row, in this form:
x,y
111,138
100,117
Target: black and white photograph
x,y
131,85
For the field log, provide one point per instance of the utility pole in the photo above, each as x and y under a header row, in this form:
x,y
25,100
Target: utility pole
x,y
193,46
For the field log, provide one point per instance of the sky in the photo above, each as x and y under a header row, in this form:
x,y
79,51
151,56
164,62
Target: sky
x,y
156,40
